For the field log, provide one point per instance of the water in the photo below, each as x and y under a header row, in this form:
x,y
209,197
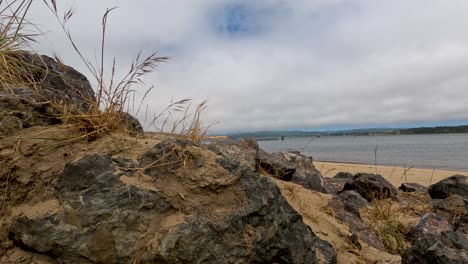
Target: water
x,y
440,151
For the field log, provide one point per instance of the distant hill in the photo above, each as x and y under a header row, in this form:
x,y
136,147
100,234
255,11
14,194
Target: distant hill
x,y
436,130
355,132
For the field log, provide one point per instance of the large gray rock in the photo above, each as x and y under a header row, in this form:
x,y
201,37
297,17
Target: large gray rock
x,y
432,241
346,206
451,208
336,184
457,184
452,248
276,165
371,186
56,84
293,167
179,203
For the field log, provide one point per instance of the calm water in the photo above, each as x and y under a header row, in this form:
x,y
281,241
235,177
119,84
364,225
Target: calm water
x,y
445,151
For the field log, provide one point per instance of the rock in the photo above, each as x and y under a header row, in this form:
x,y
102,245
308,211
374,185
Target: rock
x,y
353,201
462,224
58,82
276,165
423,235
457,184
131,123
449,248
293,167
336,184
440,253
412,187
186,204
346,206
23,107
451,208
234,152
306,174
371,186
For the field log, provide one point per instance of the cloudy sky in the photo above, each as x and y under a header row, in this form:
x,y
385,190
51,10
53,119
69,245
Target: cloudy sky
x,y
278,64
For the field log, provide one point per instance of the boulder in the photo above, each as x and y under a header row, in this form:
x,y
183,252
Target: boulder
x,y
57,81
276,165
306,174
353,201
336,184
452,248
346,206
423,235
22,107
412,187
371,186
294,167
457,184
451,208
178,203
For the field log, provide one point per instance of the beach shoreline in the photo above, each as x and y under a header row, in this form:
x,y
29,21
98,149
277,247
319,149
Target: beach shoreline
x,y
396,175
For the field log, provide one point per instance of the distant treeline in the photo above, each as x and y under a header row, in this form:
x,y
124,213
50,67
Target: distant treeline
x,y
435,130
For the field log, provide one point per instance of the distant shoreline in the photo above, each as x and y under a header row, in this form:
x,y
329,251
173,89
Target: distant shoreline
x,y
395,174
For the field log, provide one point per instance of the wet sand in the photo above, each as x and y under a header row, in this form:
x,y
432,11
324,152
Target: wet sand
x,y
396,175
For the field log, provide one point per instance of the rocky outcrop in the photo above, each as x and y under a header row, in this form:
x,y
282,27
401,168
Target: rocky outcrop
x,y
22,107
177,203
451,208
293,167
346,206
336,184
457,184
276,165
434,241
412,187
371,186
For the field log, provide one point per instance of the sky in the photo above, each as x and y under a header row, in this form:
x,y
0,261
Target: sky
x,y
278,64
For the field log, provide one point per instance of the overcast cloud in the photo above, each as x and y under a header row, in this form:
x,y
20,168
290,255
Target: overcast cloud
x,y
287,64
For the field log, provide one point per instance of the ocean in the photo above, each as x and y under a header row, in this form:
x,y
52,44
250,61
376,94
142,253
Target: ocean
x,y
438,151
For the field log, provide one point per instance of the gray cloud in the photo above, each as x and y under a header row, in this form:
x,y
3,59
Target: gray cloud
x,y
288,64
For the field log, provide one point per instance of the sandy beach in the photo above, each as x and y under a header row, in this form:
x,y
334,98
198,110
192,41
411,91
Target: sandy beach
x,y
395,175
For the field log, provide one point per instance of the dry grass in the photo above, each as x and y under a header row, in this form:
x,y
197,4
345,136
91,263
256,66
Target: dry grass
x,y
382,217
12,38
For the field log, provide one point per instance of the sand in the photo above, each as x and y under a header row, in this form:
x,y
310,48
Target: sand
x,y
395,175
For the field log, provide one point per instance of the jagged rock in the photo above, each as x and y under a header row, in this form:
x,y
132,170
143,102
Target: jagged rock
x,y
22,107
293,167
461,225
306,174
371,186
423,235
412,187
131,123
353,201
276,165
346,207
450,247
441,253
186,204
336,184
457,184
451,208
236,151
58,82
